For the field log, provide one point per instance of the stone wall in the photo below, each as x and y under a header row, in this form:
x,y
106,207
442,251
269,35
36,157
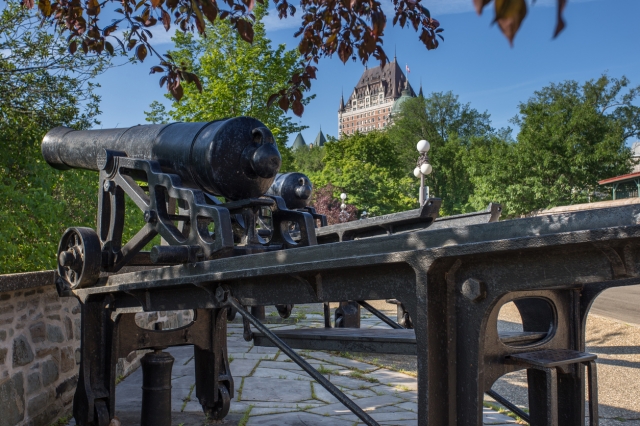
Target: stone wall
x,y
40,349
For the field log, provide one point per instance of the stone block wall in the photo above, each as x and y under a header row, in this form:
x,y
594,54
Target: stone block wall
x,y
40,349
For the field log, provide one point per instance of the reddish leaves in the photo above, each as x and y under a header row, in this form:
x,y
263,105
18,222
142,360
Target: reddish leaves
x,y
511,13
559,21
141,52
245,30
354,29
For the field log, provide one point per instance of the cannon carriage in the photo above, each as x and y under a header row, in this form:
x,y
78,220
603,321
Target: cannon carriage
x,y
450,276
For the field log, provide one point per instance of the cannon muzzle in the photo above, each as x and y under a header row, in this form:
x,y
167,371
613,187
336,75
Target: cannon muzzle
x,y
235,158
295,188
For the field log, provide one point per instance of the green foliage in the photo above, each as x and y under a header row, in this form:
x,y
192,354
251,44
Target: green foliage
x,y
237,79
367,168
570,137
449,127
308,160
40,92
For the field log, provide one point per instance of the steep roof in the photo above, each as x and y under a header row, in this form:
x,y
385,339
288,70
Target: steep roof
x,y
390,80
299,142
320,139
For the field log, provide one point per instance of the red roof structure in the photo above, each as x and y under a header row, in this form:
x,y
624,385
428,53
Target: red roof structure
x,y
621,178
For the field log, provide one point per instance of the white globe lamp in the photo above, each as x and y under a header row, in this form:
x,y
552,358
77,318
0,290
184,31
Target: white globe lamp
x,y
423,146
426,169
416,172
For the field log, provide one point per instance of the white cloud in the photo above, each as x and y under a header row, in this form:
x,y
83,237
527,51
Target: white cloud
x,y
273,23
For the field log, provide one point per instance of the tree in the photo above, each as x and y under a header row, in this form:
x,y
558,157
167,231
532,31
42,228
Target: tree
x,y
570,137
449,127
236,78
43,87
352,29
327,203
367,168
308,160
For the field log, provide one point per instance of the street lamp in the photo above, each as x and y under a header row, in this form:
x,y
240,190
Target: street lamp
x,y
343,213
423,167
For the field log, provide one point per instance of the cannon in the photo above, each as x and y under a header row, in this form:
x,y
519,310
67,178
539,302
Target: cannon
x,y
174,173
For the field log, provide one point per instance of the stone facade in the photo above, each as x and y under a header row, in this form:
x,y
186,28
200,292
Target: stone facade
x,y
40,353
369,106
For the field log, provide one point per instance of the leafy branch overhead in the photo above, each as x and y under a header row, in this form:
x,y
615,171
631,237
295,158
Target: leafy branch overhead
x,y
352,29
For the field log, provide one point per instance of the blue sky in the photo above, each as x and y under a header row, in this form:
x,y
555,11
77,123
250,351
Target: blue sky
x,y
475,61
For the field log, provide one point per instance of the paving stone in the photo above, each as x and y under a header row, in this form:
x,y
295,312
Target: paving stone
x,y
394,378
242,367
296,419
367,404
323,395
350,382
490,417
263,350
394,416
280,374
359,393
276,390
409,406
250,355
344,362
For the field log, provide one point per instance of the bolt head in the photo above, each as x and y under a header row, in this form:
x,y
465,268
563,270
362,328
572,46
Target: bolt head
x,y
108,185
150,216
474,290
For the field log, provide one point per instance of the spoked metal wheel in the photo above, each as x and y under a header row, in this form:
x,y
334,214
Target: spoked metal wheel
x,y
79,257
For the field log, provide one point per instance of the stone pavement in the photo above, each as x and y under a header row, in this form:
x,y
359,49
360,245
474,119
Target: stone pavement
x,y
271,390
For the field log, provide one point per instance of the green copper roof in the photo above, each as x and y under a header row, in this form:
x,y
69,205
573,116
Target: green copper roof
x,y
299,142
320,140
397,105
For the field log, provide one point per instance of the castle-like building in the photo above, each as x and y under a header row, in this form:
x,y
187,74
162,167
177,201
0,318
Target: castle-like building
x,y
375,100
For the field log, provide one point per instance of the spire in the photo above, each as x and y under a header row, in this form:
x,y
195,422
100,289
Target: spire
x,y
299,142
320,139
394,53
341,102
420,93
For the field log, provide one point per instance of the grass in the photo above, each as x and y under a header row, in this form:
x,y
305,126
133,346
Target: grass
x,y
62,421
323,370
187,398
359,375
245,417
300,315
239,398
119,379
500,409
402,388
313,391
277,354
231,359
255,368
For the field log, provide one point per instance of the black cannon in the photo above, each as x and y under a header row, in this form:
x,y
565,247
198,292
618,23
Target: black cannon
x,y
174,174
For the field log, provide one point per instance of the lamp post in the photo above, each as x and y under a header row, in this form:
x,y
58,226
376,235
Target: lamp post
x,y
343,213
423,167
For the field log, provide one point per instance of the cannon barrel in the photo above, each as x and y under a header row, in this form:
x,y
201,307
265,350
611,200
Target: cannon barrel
x,y
235,158
295,188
